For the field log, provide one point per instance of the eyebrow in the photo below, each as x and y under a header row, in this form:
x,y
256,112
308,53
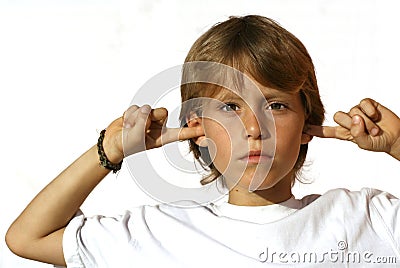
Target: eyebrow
x,y
278,94
228,94
270,93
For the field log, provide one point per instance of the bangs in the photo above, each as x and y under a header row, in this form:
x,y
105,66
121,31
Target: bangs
x,y
275,65
255,47
258,47
207,79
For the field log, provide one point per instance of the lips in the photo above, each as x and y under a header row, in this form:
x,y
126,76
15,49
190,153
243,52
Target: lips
x,y
255,153
256,157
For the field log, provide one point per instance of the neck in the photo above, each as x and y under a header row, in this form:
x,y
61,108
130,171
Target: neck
x,y
280,192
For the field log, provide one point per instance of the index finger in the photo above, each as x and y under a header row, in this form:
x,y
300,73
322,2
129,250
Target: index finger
x,y
180,134
323,131
186,133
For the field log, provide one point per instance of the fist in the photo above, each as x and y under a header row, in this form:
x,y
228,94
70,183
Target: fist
x,y
369,124
142,128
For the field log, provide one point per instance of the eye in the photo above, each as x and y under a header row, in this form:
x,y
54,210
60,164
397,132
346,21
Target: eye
x,y
276,106
229,107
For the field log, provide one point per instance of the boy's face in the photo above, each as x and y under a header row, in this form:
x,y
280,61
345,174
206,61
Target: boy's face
x,y
254,136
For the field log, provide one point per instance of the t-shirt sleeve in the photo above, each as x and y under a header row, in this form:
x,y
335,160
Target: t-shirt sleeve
x,y
70,242
96,241
385,209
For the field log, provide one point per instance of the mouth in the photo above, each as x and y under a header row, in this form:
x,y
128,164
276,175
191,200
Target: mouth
x,y
256,157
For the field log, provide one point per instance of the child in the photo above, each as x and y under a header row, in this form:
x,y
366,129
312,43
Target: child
x,y
252,135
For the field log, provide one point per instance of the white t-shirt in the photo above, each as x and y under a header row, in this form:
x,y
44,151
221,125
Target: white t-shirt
x,y
339,228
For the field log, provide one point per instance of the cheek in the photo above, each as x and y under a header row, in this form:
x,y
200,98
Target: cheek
x,y
288,138
219,144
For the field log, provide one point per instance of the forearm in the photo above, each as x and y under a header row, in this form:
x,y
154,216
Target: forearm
x,y
38,232
55,205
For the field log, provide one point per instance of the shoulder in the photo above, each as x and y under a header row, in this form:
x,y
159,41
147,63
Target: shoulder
x,y
349,201
363,195
366,207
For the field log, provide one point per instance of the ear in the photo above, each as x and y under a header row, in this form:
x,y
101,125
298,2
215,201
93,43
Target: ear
x,y
305,138
195,121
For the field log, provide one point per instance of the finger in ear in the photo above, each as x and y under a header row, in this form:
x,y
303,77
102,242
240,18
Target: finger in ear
x,y
193,120
305,138
197,122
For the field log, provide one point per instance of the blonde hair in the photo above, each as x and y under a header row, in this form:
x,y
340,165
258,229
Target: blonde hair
x,y
270,54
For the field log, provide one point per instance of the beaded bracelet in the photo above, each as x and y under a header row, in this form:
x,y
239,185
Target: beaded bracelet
x,y
102,155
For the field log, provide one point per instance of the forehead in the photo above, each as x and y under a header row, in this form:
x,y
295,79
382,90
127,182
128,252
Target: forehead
x,y
250,88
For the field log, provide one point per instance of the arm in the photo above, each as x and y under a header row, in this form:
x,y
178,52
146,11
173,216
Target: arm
x,y
37,233
369,124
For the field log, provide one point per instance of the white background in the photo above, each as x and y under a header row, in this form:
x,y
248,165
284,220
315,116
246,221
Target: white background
x,y
68,68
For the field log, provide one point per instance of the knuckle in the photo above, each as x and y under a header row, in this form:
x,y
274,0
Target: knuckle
x,y
369,106
337,116
366,101
355,110
130,110
133,108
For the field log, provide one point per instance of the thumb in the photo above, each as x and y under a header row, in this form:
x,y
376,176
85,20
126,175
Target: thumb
x,y
357,131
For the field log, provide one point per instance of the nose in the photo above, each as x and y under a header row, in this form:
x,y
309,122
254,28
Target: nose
x,y
252,125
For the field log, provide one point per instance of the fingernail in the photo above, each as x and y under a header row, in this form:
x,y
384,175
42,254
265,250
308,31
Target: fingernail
x,y
127,125
356,120
374,131
145,109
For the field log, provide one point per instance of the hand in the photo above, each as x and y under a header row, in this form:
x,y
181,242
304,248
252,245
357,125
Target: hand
x,y
369,124
142,128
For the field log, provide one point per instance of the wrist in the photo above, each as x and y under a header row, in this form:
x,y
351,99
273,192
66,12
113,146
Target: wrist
x,y
114,156
110,157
